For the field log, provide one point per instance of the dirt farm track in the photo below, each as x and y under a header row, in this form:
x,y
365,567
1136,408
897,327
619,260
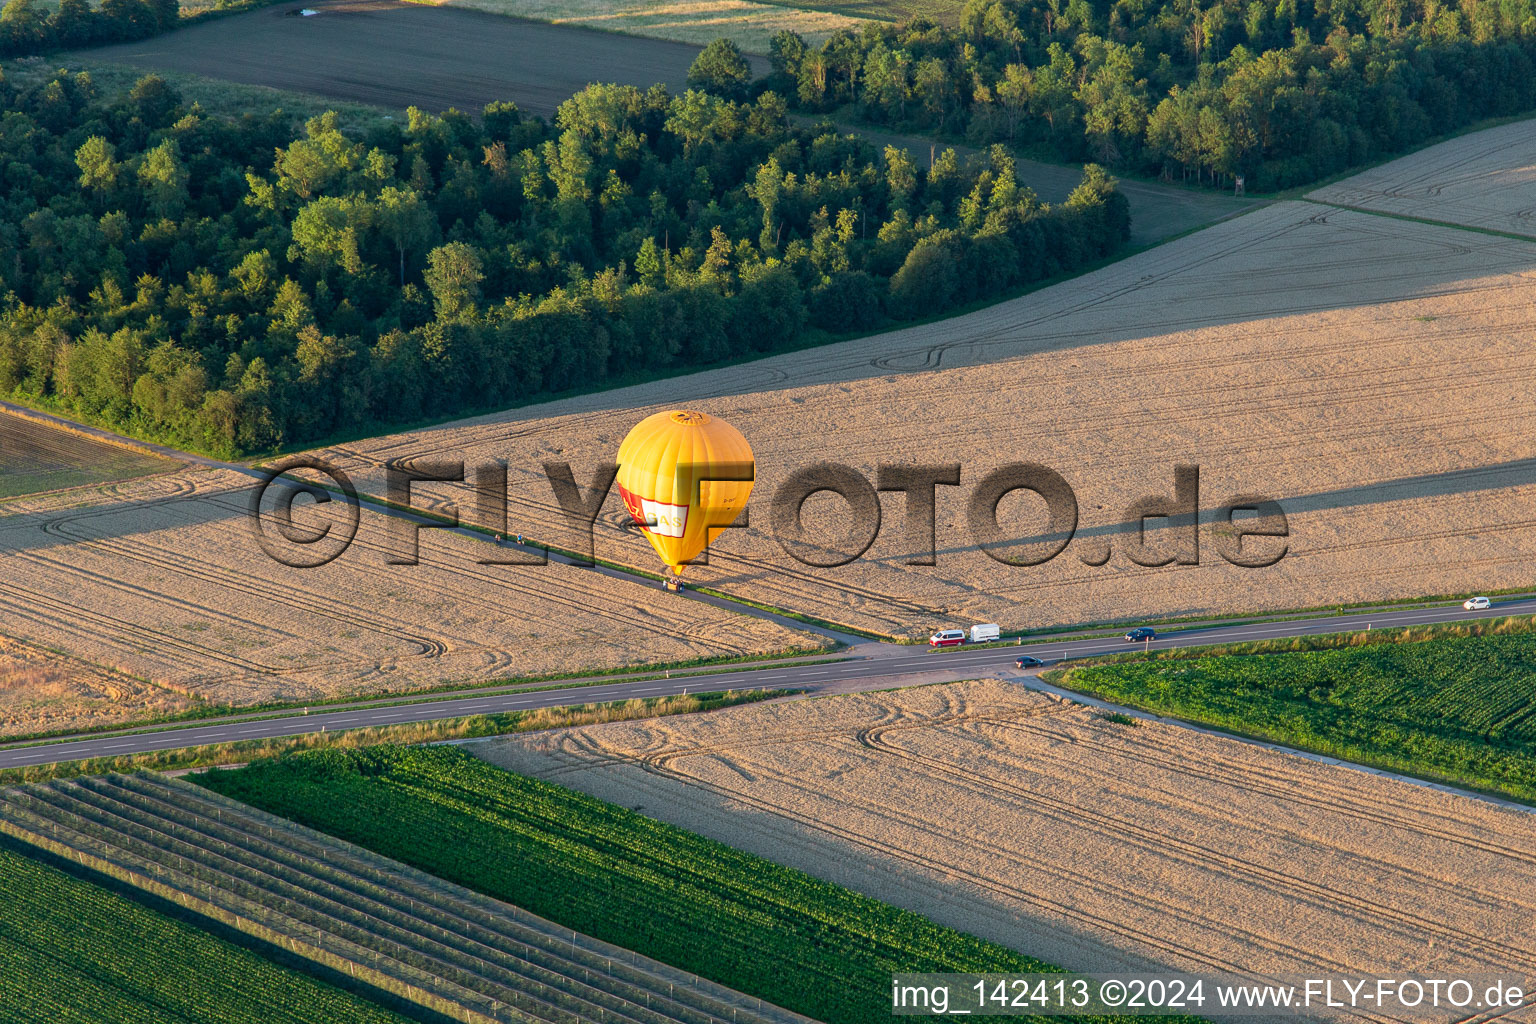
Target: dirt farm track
x,y
401,54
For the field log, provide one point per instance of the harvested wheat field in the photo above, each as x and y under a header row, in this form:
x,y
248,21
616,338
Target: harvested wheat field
x,y
746,22
1370,374
1487,180
162,579
1099,846
43,691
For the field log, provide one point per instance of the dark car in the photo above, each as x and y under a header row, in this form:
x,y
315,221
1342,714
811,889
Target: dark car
x,y
1141,634
1025,661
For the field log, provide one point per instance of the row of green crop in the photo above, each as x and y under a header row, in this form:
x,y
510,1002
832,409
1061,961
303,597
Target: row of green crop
x,y
390,926
756,926
293,903
1461,708
73,951
457,918
407,912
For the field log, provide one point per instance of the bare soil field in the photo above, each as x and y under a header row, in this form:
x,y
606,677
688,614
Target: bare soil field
x,y
1486,180
162,579
35,457
1038,823
1370,374
403,54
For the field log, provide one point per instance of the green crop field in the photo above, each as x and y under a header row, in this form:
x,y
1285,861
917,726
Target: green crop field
x,y
1456,707
734,918
72,951
433,947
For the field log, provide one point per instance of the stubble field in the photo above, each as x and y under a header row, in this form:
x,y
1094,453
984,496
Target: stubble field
x,y
748,23
35,457
1099,846
1370,374
161,580
1487,180
44,691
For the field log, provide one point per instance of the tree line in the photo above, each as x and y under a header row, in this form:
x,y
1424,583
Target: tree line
x,y
29,27
235,284
1283,92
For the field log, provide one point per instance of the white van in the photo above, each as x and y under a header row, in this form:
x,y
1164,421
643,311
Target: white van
x,y
985,633
947,638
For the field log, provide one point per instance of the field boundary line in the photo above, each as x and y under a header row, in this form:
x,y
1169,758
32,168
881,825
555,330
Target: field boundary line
x,y
239,717
98,434
92,864
1429,221
1039,685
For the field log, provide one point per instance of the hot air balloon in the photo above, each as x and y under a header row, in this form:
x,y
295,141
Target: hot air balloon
x,y
682,474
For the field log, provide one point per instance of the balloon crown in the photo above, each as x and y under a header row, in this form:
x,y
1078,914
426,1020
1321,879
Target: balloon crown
x,y
689,416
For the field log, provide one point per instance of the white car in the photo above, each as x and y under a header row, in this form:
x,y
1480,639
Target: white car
x,y
1476,604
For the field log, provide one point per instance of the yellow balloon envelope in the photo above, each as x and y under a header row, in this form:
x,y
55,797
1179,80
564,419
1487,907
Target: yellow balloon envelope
x,y
682,474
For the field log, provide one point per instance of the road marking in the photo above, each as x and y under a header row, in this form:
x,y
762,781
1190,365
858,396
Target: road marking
x,y
894,664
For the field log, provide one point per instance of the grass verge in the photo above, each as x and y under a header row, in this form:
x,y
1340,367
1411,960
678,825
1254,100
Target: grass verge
x,y
1431,222
209,714
213,96
467,727
1453,703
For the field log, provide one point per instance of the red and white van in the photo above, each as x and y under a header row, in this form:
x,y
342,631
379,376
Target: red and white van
x,y
947,638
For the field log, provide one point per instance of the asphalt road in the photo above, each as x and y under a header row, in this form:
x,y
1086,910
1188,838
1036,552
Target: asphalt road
x,y
871,666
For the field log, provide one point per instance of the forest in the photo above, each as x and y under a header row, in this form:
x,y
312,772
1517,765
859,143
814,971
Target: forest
x,y
1282,92
241,285
30,26
236,285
